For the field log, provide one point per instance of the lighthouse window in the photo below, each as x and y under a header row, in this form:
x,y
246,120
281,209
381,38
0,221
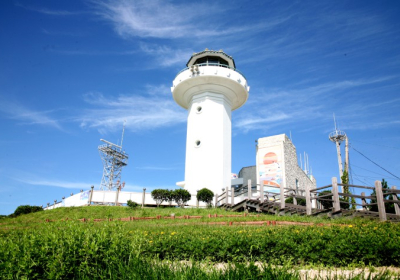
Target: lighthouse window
x,y
198,143
213,60
199,109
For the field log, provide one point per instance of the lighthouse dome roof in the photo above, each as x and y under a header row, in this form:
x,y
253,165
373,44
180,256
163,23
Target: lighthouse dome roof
x,y
210,57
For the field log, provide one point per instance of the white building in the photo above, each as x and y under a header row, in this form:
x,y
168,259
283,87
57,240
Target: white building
x,y
210,88
277,165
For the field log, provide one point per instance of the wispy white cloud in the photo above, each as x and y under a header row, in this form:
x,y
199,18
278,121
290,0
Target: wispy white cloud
x,y
163,19
281,106
28,116
158,19
166,56
140,112
93,52
51,12
56,183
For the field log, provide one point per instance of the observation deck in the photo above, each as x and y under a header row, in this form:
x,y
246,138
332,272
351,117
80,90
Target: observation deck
x,y
214,72
337,136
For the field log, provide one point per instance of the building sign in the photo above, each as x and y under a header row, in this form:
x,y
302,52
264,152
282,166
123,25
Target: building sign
x,y
269,166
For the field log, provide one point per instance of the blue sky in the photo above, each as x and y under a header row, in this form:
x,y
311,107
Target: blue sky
x,y
73,71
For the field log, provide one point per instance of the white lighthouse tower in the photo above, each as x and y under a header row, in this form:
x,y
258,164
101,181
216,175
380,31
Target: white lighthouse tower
x,y
210,88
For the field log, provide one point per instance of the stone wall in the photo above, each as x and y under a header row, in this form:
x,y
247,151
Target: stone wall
x,y
293,171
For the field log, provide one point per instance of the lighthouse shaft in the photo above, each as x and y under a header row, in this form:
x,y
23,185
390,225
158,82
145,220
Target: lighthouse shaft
x,y
208,145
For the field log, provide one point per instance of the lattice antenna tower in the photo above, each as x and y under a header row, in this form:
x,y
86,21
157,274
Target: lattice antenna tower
x,y
338,137
114,159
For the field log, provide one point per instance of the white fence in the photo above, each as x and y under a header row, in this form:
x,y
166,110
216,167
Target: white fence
x,y
114,198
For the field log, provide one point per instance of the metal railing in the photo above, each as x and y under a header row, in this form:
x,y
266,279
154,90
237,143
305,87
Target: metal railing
x,y
212,64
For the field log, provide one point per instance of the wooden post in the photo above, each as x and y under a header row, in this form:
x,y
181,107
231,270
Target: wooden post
x,y
396,206
308,200
216,201
335,192
282,196
294,198
143,196
91,195
197,200
379,201
232,195
226,196
249,195
364,201
262,191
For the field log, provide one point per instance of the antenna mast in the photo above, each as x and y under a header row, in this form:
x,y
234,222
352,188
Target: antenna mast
x,y
123,131
114,159
338,137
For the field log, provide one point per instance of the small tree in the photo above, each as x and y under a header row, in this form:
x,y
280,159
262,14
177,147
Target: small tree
x,y
131,204
389,207
300,201
170,196
181,196
205,195
159,195
26,209
346,189
329,204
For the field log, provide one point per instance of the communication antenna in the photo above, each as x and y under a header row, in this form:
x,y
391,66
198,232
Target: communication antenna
x,y
123,131
114,159
338,137
301,163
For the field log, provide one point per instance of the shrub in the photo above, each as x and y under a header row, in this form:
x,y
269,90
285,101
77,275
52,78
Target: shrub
x,y
132,204
26,209
205,195
389,207
329,204
170,196
300,201
160,195
181,196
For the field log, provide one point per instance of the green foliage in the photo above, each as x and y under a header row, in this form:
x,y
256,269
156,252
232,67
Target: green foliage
x,y
346,189
132,204
181,196
329,204
133,250
170,196
160,195
300,201
389,207
26,209
205,195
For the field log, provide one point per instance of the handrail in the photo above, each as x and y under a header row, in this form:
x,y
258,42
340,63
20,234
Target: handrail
x,y
356,186
212,64
320,188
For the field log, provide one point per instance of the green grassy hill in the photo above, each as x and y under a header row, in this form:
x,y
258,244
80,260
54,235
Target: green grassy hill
x,y
109,244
